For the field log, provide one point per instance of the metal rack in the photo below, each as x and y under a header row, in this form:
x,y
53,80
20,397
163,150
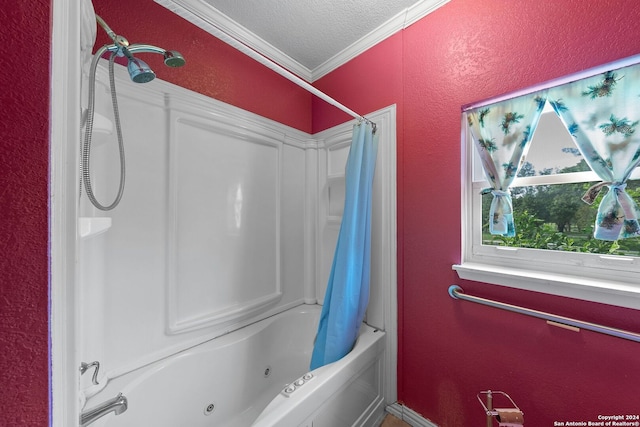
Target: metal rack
x,y
512,416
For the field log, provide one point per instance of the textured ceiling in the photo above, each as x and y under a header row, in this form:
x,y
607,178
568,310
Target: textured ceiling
x,y
311,31
310,38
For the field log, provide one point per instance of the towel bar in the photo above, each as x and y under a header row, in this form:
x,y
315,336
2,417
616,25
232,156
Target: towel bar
x,y
456,292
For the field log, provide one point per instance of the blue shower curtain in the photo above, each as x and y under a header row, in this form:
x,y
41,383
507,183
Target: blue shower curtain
x,y
347,294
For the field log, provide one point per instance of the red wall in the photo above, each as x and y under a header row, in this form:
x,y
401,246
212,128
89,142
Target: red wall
x,y
465,51
470,50
24,97
212,68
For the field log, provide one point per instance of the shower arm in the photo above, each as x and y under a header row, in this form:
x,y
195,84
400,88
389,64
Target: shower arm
x,y
120,42
106,27
117,40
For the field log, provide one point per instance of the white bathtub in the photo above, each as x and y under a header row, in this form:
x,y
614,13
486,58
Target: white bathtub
x,y
238,380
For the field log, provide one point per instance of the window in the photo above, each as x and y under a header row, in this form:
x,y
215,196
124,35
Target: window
x,y
553,249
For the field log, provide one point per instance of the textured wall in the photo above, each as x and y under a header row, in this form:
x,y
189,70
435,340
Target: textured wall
x,y
466,51
24,157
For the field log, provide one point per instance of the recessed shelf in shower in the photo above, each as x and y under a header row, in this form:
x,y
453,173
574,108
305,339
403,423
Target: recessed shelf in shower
x,y
92,226
102,124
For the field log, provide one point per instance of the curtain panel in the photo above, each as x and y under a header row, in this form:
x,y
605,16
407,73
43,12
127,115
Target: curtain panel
x,y
602,113
501,133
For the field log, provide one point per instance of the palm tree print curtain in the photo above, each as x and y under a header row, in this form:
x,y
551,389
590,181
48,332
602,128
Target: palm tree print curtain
x,y
501,133
602,114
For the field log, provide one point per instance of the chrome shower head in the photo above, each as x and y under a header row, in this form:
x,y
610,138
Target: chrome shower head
x,y
173,58
139,71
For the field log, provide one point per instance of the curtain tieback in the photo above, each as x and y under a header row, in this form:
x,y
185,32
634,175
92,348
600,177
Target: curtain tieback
x,y
499,193
594,190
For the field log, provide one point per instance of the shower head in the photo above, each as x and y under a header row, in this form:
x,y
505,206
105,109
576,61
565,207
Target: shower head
x,y
173,58
139,71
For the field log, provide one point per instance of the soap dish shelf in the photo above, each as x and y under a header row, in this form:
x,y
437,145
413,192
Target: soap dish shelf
x,y
101,124
93,226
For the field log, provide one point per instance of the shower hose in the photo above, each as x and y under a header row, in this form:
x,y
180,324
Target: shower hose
x,y
85,149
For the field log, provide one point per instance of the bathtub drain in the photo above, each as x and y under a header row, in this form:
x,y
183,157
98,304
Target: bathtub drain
x,y
209,409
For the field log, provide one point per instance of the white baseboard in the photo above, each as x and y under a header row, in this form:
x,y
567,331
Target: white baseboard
x,y
409,416
395,409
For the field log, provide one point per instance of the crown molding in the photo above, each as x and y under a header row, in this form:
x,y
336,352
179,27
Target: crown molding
x,y
397,23
207,17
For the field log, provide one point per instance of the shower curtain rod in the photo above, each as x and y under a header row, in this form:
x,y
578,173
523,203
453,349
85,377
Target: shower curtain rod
x,y
230,40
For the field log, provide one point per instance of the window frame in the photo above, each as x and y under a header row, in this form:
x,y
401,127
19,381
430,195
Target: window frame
x,y
609,279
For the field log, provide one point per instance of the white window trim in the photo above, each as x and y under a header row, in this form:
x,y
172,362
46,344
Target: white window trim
x,y
517,268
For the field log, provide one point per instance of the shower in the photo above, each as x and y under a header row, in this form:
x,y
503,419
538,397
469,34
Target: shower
x,y
139,72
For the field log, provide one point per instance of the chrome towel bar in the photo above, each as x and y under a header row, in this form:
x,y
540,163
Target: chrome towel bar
x,y
457,292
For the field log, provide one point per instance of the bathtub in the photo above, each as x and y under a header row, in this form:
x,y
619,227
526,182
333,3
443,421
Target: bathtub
x,y
256,376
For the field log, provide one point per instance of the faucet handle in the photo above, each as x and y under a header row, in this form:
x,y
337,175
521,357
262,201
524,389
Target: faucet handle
x,y
85,366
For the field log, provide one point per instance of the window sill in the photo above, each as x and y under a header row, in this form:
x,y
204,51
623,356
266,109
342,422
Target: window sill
x,y
602,291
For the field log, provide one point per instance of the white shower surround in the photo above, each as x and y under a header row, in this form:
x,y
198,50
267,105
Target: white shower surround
x,y
135,309
65,283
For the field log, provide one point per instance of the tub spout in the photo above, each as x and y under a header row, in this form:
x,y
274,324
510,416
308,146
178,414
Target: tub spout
x,y
118,405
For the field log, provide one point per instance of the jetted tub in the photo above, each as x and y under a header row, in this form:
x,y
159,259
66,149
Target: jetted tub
x,y
256,376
